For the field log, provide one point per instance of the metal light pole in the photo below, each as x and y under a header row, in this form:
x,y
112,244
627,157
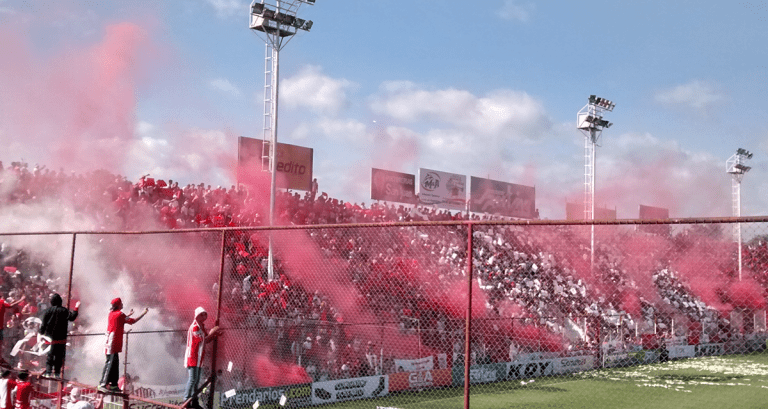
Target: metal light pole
x,y
276,23
735,166
590,122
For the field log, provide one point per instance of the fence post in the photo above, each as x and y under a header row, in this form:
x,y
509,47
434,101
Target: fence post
x,y
217,322
125,362
71,269
468,323
69,285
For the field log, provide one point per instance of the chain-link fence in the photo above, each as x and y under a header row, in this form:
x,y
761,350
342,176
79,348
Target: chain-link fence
x,y
429,314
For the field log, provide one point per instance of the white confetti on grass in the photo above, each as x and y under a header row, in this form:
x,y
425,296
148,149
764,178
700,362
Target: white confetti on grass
x,y
724,372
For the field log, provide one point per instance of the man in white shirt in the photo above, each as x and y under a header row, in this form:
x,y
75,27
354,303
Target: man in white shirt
x,y
76,401
5,391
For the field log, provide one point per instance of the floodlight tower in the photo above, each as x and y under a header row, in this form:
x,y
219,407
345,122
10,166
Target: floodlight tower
x,y
591,123
276,23
736,167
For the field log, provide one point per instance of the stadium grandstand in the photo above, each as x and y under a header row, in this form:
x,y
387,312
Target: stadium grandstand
x,y
540,298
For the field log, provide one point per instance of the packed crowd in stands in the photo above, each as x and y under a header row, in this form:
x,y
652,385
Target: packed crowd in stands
x,y
526,274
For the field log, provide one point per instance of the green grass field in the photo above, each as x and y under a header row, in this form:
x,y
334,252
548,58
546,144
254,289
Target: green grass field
x,y
707,382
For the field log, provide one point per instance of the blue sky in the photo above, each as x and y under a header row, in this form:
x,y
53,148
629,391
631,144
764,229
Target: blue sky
x,y
486,89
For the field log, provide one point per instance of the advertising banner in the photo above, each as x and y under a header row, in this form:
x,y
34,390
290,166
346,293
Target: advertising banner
x,y
294,163
574,364
295,395
631,358
681,351
427,378
710,349
393,186
531,369
409,365
480,373
171,394
349,389
442,189
575,211
502,198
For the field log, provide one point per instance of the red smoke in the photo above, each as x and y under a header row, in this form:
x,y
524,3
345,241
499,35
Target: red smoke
x,y
79,104
275,373
746,294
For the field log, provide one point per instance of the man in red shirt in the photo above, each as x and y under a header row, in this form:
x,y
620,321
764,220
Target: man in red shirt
x,y
4,305
114,345
197,337
24,390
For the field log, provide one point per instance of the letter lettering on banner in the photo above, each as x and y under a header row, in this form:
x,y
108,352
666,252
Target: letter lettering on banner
x,y
294,164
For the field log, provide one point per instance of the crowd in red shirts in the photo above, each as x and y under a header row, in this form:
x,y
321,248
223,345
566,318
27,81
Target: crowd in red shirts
x,y
404,275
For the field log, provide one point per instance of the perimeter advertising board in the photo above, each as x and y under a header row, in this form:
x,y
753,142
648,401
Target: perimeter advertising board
x,y
392,186
681,351
349,389
421,379
294,163
480,373
442,189
710,349
170,394
502,198
295,395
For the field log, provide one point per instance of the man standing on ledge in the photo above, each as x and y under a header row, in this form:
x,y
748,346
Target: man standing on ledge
x,y
197,337
55,322
114,345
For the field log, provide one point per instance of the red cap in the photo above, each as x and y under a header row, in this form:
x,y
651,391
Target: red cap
x,y
117,301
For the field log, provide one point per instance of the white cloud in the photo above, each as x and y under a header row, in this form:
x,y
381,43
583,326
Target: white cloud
x,y
698,95
226,8
345,130
311,89
197,154
223,85
514,10
502,113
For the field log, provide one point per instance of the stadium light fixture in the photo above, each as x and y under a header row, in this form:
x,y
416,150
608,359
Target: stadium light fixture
x,y
279,19
737,169
590,122
276,23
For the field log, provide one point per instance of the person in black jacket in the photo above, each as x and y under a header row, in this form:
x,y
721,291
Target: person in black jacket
x,y
55,322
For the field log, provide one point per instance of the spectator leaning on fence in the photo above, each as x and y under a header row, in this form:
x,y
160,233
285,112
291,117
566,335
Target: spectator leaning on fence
x,y
197,337
114,345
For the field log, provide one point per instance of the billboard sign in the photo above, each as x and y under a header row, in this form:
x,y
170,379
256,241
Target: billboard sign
x,y
442,189
294,163
654,213
393,186
506,199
